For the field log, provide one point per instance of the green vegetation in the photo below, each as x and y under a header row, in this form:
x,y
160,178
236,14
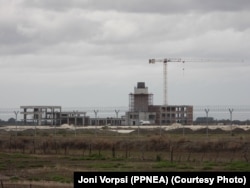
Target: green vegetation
x,y
54,157
238,166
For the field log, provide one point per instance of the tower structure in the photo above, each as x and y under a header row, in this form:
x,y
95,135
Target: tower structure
x,y
140,99
141,109
139,103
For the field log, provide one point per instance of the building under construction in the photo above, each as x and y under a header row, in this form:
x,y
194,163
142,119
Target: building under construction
x,y
141,109
53,115
41,115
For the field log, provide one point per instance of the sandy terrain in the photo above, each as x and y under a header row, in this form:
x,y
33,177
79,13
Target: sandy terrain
x,y
126,129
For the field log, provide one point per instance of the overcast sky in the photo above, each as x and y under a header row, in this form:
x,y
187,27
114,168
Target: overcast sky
x,y
83,53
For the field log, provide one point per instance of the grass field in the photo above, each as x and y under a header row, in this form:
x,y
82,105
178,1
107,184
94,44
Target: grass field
x,y
50,158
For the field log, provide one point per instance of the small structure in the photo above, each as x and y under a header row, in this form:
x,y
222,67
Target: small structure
x,y
105,121
75,118
204,120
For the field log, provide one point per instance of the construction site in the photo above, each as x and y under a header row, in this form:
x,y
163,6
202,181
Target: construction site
x,y
141,109
57,142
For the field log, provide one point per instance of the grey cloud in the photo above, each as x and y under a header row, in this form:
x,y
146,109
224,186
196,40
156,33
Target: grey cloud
x,y
145,6
119,35
77,22
10,35
31,34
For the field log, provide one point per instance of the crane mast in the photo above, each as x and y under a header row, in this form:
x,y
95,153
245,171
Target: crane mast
x,y
165,61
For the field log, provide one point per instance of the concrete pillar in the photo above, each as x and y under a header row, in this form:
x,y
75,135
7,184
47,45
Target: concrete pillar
x,y
39,116
25,116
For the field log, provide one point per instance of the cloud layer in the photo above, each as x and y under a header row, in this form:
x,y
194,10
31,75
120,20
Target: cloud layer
x,y
92,53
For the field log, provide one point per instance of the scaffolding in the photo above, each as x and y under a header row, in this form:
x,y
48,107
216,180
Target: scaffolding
x,y
141,108
140,99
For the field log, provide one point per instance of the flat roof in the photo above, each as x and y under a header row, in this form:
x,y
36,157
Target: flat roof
x,y
72,112
39,106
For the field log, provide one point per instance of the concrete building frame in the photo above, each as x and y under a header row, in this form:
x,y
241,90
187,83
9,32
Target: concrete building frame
x,y
41,115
